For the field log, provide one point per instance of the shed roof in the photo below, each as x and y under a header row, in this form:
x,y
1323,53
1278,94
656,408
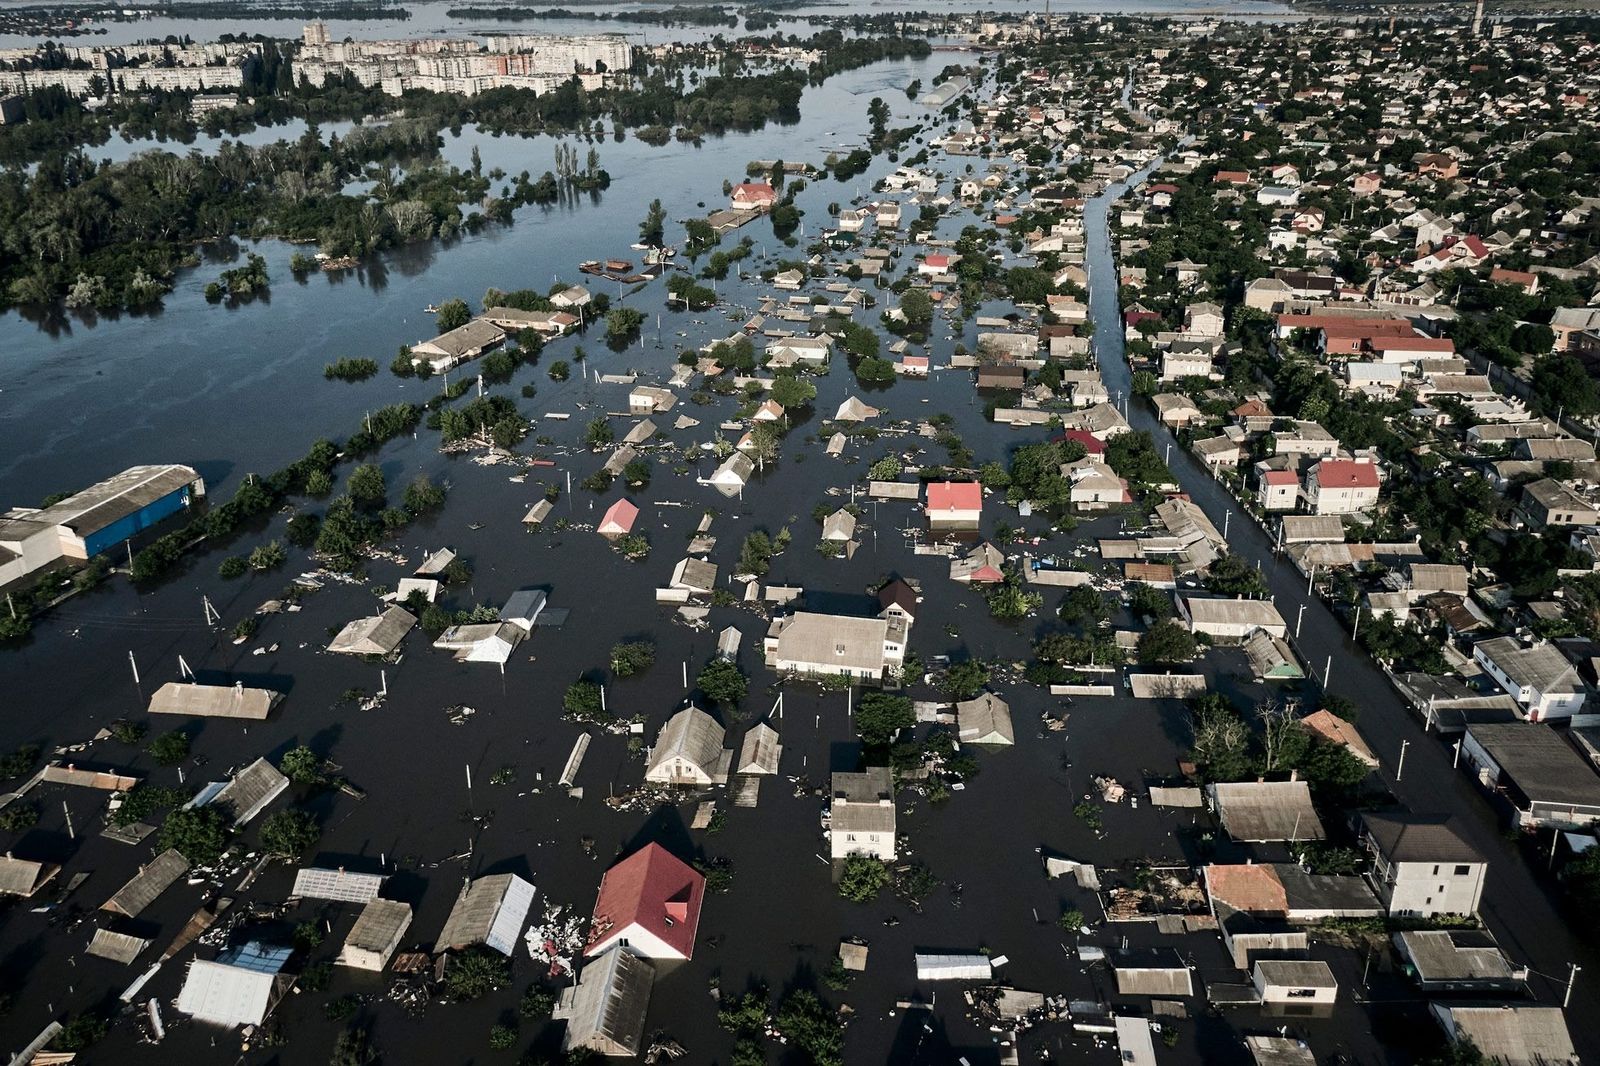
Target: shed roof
x,y
1544,767
380,922
1266,810
151,880
477,910
250,790
605,1010
1453,955
760,751
24,877
1511,1035
985,720
378,634
214,701
346,886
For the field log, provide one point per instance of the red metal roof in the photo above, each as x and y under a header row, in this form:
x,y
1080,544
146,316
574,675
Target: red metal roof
x,y
654,890
1346,474
1280,477
619,517
955,496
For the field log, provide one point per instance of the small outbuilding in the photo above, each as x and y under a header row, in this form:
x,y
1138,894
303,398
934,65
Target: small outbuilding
x,y
489,911
378,634
376,936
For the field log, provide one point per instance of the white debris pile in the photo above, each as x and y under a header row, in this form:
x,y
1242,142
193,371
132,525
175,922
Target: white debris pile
x,y
558,938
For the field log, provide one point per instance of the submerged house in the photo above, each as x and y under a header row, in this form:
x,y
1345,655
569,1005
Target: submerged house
x,y
377,634
861,820
489,911
822,644
214,701
241,987
689,752
649,904
605,1010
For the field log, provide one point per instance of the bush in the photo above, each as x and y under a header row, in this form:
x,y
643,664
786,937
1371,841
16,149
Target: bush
x,y
302,766
1166,642
632,658
19,762
422,496
966,679
537,1002
474,973
268,556
1071,920
170,749
502,1037
197,833
862,878
582,700
559,370
231,567
19,815
881,715
289,833
721,681
81,1032
128,732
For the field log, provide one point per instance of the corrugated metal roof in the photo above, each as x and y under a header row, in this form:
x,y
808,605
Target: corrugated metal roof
x,y
214,701
143,888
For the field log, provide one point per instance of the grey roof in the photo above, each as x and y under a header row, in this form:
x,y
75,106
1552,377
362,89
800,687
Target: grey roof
x,y
1542,666
605,1011
1543,766
1212,610
477,909
1313,529
143,888
985,720
1266,810
1296,973
1453,955
696,575
346,886
214,701
24,877
115,498
380,923
377,634
1279,1051
1408,837
1510,1035
1152,972
457,342
524,605
690,734
760,751
250,790
118,947
830,640
872,785
1345,893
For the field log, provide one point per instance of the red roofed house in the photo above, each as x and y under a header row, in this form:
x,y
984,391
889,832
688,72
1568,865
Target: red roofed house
x,y
750,195
954,504
649,904
618,519
1092,445
1341,486
1279,490
913,366
1366,184
1525,280
934,265
1232,177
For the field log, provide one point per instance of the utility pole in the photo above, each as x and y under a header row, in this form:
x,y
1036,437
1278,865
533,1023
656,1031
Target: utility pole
x,y
1572,977
1401,767
1299,620
133,663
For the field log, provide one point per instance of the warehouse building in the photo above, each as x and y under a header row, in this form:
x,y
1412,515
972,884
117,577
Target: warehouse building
x,y
87,523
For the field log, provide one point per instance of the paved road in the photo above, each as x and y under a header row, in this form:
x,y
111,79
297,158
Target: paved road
x,y
1517,906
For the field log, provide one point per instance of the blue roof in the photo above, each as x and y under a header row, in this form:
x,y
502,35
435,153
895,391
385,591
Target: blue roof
x,y
256,956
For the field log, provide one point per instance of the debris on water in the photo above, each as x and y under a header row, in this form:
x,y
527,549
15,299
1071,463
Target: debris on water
x,y
558,938
459,714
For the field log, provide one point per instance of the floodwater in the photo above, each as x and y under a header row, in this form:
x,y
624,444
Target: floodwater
x,y
237,389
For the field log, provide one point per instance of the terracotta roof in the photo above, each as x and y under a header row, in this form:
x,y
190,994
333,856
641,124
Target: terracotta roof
x,y
1254,889
1346,474
657,891
619,517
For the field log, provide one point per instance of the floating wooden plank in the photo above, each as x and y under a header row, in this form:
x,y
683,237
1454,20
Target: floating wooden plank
x,y
702,815
746,790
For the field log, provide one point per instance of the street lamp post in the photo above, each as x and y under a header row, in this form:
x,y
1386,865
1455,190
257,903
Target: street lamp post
x,y
1401,768
1299,619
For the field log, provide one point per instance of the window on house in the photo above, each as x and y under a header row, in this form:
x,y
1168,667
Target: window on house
x,y
1302,993
1463,871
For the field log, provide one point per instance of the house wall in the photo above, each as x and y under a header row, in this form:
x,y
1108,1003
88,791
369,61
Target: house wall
x,y
1423,889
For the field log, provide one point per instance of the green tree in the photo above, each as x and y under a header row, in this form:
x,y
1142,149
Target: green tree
x,y
652,230
198,833
862,878
453,314
422,496
792,393
1147,601
289,833
721,681
353,1048
582,700
170,749
366,488
623,322
1167,642
632,657
476,972
966,679
1231,575
302,766
599,432
880,715
917,307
